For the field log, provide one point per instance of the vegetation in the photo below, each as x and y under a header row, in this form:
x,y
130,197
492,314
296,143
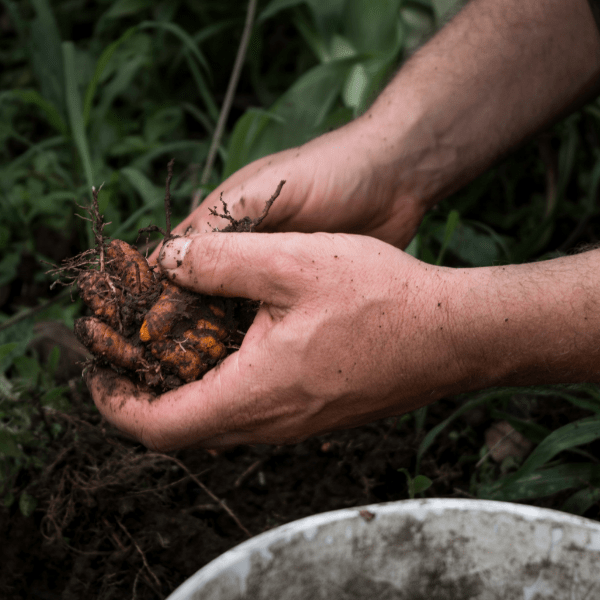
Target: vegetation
x,y
107,92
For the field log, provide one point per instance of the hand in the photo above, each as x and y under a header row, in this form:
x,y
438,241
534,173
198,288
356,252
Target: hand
x,y
333,183
350,330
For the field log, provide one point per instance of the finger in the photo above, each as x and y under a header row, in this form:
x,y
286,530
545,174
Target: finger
x,y
274,268
214,412
242,198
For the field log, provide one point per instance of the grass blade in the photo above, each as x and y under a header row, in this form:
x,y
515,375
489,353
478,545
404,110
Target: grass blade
x,y
451,225
75,112
582,500
469,405
45,44
544,482
569,436
100,66
151,195
276,6
185,38
51,113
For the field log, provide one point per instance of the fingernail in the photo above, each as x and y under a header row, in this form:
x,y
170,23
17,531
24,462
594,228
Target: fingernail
x,y
173,252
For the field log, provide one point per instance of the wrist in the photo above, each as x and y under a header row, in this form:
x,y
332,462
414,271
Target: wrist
x,y
528,324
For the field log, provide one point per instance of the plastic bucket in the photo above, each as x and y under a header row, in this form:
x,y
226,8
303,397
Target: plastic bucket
x,y
415,550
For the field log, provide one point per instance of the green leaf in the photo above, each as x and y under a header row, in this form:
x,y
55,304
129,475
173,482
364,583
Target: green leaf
x,y
417,485
29,154
328,16
451,224
75,112
8,444
53,360
413,247
356,87
161,123
51,397
470,246
444,8
9,266
420,414
541,483
470,404
151,195
28,368
296,117
569,436
20,333
46,57
532,431
6,349
421,483
581,501
100,66
50,111
27,504
185,38
247,131
276,6
367,30
122,8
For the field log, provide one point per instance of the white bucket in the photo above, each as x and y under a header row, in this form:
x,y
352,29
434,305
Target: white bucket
x,y
438,549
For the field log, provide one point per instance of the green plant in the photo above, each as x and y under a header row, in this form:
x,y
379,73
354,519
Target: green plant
x,y
417,484
26,431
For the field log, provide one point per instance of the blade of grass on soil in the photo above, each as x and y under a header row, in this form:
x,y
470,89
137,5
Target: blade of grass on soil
x,y
545,482
582,500
567,437
469,405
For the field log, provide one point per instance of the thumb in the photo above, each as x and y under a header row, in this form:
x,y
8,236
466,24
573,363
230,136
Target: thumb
x,y
272,267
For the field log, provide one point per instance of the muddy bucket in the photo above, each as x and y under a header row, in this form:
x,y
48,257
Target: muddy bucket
x,y
412,550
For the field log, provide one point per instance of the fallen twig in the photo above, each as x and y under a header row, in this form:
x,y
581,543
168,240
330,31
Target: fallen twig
x,y
201,485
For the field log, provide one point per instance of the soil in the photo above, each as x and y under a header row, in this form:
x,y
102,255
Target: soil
x,y
116,521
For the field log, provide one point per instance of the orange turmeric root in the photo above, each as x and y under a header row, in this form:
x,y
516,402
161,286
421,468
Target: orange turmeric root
x,y
102,340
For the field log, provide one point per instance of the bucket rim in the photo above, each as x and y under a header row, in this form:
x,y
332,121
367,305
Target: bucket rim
x,y
417,508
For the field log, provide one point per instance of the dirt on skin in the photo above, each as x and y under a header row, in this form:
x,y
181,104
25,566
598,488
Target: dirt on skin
x,y
114,520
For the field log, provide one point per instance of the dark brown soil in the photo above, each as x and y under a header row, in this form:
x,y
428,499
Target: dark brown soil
x,y
116,521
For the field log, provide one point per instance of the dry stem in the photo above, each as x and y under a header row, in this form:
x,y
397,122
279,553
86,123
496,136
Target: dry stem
x,y
220,502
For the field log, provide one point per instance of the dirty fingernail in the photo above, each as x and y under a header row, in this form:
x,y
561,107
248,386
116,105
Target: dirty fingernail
x,y
173,253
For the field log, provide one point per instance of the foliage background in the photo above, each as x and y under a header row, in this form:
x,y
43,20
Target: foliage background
x,y
108,91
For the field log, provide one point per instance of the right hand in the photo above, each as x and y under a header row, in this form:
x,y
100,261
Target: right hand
x,y
333,184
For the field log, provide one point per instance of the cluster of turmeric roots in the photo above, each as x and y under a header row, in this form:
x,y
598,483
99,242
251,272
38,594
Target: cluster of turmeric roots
x,y
146,325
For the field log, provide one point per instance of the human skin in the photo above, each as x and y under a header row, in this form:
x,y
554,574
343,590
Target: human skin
x,y
350,328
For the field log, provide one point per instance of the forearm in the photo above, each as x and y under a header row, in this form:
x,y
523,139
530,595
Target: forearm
x,y
527,324
499,71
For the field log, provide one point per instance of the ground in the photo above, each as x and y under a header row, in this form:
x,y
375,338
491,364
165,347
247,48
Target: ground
x,y
116,521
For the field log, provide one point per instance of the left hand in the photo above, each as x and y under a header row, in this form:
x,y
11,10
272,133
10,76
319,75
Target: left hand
x,y
350,330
